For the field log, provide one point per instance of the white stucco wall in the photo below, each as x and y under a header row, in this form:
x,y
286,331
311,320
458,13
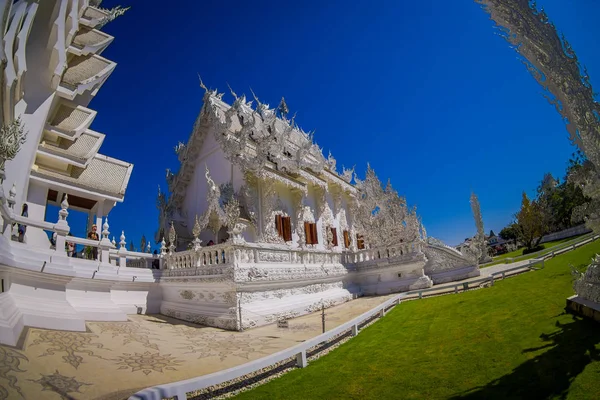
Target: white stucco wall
x,y
221,171
36,203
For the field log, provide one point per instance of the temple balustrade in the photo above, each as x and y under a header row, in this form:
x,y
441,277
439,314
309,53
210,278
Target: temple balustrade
x,y
108,252
400,250
228,253
203,256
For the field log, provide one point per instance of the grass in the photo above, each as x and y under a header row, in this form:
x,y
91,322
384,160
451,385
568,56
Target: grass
x,y
548,247
512,340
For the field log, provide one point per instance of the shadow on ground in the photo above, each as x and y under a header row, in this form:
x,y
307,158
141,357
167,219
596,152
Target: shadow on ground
x,y
550,374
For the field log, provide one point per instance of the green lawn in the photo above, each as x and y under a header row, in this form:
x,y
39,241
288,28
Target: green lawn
x,y
512,340
547,246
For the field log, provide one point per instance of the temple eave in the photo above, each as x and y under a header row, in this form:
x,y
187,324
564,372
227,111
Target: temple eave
x,y
102,176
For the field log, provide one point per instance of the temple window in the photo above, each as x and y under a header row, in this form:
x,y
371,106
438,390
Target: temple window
x,y
284,227
360,242
334,240
311,233
347,240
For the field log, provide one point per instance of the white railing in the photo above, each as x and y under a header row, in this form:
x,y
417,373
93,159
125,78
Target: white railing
x,y
179,390
558,249
60,230
566,233
140,260
203,256
456,287
394,251
227,253
139,263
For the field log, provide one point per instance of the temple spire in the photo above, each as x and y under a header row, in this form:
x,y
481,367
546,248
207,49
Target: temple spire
x,y
283,108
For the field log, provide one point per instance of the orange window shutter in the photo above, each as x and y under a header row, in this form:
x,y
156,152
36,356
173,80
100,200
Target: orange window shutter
x,y
287,229
307,233
278,225
315,236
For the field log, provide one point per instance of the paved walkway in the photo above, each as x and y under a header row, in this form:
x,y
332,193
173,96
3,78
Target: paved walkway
x,y
112,360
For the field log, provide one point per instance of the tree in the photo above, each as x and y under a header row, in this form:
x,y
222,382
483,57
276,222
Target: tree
x,y
479,239
510,232
530,223
548,200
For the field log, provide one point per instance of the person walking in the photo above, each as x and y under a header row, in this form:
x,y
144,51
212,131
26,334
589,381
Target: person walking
x,y
23,228
70,247
93,235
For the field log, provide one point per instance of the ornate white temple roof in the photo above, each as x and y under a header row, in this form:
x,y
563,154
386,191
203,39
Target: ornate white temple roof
x,y
80,150
84,73
262,141
88,40
70,121
93,16
82,68
103,175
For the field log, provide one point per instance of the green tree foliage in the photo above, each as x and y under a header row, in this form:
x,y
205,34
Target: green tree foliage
x,y
511,232
557,205
530,223
558,200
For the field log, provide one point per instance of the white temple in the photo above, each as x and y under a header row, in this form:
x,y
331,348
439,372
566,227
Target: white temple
x,y
286,231
290,234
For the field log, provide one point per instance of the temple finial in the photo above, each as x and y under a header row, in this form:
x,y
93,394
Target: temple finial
x,y
283,108
202,85
232,92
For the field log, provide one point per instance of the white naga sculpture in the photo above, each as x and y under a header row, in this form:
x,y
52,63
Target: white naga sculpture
x,y
555,66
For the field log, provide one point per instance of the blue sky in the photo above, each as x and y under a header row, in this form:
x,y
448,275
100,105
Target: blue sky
x,y
424,91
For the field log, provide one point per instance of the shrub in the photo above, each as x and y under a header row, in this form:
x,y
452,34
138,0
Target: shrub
x,y
534,249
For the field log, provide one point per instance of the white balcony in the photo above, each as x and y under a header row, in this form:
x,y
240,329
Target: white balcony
x,y
78,152
92,17
104,176
70,121
84,73
89,41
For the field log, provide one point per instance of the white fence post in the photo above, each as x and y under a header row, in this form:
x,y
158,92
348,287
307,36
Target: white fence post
x,y
163,252
62,227
301,359
105,244
122,251
354,329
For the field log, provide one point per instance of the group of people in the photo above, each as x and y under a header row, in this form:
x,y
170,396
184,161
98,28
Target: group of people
x,y
71,248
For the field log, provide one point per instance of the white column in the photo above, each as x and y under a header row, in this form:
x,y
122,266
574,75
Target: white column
x,y
99,214
90,222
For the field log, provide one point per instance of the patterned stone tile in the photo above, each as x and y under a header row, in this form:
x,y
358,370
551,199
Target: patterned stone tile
x,y
74,345
60,384
113,360
10,365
